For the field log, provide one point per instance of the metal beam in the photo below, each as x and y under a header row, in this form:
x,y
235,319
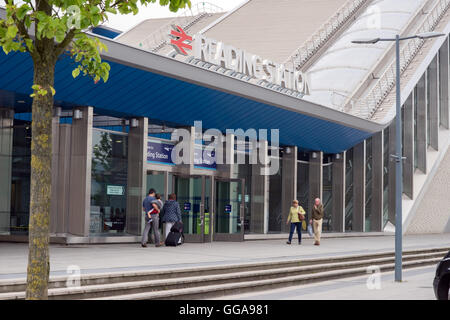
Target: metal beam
x,y
377,182
359,187
408,147
338,193
444,89
433,94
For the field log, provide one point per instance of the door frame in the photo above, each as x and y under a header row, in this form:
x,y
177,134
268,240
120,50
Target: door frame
x,y
200,237
236,237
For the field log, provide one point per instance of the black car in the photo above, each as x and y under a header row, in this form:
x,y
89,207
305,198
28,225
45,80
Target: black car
x,y
441,281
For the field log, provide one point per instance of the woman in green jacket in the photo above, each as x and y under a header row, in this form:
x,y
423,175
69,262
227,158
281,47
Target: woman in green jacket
x,y
295,220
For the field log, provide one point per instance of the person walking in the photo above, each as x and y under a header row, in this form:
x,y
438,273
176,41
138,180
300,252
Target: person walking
x,y
170,213
296,216
316,220
151,209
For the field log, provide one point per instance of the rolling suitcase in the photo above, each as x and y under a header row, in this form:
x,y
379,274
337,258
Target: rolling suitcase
x,y
177,227
173,239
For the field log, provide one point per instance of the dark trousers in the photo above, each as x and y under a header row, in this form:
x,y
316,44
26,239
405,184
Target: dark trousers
x,y
297,225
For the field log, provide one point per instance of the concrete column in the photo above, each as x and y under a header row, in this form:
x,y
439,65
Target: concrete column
x,y
80,172
228,166
359,187
377,181
433,87
444,89
136,177
421,124
259,220
6,144
288,183
62,144
315,178
338,193
391,182
408,147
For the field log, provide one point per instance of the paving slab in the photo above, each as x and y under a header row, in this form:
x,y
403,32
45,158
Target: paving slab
x,y
132,257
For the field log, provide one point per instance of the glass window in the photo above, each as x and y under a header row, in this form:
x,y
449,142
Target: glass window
x,y
108,183
369,163
349,190
386,177
20,177
327,194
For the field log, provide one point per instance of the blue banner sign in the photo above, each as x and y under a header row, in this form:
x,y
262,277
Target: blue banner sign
x,y
187,206
228,208
205,160
159,152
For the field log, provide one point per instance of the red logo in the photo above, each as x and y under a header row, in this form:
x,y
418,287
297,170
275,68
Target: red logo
x,y
178,40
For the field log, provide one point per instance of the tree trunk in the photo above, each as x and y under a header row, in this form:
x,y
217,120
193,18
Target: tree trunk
x,y
40,191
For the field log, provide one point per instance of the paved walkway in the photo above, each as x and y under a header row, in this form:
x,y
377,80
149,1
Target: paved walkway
x,y
131,257
417,284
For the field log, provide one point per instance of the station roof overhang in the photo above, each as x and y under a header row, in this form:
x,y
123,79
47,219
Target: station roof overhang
x,y
144,84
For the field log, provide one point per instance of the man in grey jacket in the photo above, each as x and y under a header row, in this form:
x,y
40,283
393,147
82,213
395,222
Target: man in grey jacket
x,y
151,210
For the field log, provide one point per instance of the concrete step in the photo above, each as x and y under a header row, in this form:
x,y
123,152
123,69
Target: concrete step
x,y
17,285
245,274
222,290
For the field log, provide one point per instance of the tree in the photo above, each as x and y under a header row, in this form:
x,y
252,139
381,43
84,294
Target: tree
x,y
47,29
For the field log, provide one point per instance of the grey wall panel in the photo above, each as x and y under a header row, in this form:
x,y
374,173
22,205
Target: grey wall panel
x,y
433,94
259,192
444,89
421,120
80,173
6,143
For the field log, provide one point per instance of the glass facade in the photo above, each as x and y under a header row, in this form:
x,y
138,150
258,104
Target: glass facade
x,y
369,165
386,176
108,183
275,205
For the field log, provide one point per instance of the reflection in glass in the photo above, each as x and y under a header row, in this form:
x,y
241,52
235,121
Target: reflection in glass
x,y
108,183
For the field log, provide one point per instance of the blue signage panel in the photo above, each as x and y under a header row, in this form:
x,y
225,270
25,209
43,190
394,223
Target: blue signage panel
x,y
187,206
228,208
159,152
202,159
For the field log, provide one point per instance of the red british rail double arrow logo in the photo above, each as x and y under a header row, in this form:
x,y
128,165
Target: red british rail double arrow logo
x,y
178,40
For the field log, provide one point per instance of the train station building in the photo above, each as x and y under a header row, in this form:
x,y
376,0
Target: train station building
x,y
296,111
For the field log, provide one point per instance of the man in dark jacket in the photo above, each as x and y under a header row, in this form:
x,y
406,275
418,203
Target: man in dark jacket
x,y
171,213
316,220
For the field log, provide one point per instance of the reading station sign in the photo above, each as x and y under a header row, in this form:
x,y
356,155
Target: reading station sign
x,y
238,60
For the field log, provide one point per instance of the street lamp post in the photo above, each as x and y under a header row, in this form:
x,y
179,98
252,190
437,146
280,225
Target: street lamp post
x,y
398,145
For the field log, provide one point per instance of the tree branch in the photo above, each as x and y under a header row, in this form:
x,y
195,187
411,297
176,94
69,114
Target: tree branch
x,y
59,48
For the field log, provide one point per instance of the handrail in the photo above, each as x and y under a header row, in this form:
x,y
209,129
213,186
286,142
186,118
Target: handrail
x,y
186,19
301,55
366,106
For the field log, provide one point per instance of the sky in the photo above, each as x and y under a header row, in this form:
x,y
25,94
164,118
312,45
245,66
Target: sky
x,y
124,22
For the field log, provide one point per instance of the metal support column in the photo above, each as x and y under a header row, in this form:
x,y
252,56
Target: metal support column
x,y
288,183
6,147
315,177
421,124
80,172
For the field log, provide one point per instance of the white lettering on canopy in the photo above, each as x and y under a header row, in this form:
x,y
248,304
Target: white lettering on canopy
x,y
229,57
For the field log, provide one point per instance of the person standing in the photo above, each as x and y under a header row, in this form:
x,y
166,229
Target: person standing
x,y
296,216
316,220
151,209
170,213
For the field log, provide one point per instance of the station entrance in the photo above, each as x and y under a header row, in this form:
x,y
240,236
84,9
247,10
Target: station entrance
x,y
212,208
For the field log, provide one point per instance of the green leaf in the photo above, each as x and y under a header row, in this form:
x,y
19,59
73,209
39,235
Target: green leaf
x,y
12,31
75,72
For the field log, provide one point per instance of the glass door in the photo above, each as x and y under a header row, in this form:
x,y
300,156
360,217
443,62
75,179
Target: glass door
x,y
229,210
190,192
